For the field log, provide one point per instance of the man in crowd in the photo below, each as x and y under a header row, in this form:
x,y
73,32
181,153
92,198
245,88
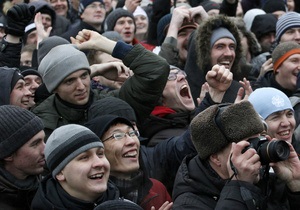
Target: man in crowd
x,y
21,156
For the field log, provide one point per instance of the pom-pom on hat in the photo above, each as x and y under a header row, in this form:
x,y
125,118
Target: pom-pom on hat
x,y
268,100
59,63
17,127
65,143
285,22
283,51
219,125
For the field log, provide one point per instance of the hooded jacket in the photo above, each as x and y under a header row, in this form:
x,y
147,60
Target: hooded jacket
x,y
198,61
16,194
6,75
51,195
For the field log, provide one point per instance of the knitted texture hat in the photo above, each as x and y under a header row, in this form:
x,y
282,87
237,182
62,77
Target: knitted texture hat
x,y
111,105
114,16
268,100
101,124
285,22
283,51
47,44
219,125
117,205
271,6
263,24
59,63
220,33
65,143
17,126
84,3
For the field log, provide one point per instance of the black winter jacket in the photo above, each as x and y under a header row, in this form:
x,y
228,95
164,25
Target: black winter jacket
x,y
51,195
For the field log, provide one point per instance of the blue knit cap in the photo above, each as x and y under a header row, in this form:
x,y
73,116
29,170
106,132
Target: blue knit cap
x,y
268,100
285,22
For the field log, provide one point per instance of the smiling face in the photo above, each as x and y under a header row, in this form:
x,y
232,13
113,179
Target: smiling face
x,y
286,74
177,93
292,34
94,14
20,95
182,42
141,24
86,176
123,155
125,27
28,159
281,125
223,52
75,88
60,7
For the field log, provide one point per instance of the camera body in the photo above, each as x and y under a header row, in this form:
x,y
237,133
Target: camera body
x,y
269,151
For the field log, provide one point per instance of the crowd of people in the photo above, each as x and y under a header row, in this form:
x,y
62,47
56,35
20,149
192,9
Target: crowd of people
x,y
149,104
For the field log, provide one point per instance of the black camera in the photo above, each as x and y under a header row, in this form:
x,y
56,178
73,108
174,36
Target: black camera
x,y
269,151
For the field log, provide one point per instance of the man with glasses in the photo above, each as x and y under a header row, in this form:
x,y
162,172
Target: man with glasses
x,y
92,14
127,169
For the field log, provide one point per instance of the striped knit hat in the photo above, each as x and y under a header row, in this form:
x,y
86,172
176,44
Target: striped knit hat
x,y
285,22
17,127
84,3
283,51
65,143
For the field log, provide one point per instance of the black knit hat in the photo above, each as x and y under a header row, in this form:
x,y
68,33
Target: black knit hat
x,y
271,6
219,125
263,24
17,126
100,125
114,16
283,51
118,204
111,105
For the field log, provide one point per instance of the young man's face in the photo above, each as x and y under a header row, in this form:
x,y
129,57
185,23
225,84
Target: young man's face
x,y
20,95
26,59
182,42
94,14
60,7
75,88
266,41
123,155
125,27
47,21
223,53
177,94
281,125
86,176
108,5
286,74
32,38
292,34
29,159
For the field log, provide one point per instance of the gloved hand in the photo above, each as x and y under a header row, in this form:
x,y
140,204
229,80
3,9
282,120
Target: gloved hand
x,y
18,17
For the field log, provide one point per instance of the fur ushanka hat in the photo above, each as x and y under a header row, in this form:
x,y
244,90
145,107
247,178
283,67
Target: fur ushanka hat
x,y
219,125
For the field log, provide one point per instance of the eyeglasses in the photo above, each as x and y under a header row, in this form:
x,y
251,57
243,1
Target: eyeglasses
x,y
119,136
173,75
95,6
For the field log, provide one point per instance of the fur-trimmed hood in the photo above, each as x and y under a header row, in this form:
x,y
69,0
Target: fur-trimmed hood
x,y
204,33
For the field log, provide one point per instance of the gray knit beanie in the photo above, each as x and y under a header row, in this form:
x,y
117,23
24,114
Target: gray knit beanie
x,y
219,125
84,3
59,63
47,44
285,22
17,126
113,17
220,33
283,51
65,143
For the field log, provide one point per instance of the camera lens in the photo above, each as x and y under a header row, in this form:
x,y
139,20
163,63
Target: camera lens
x,y
274,151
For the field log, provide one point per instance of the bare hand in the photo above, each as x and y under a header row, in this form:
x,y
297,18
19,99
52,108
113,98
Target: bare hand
x,y
219,78
247,164
116,71
41,32
204,90
243,92
267,66
289,170
198,14
131,5
165,206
